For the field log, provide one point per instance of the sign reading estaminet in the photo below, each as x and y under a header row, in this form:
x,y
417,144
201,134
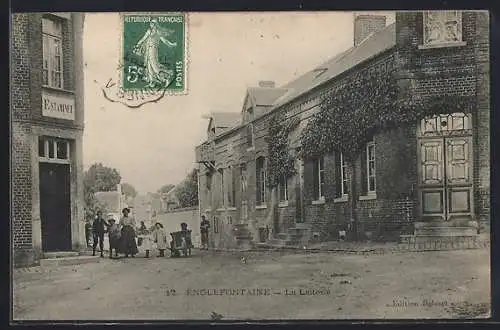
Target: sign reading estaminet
x,y
57,106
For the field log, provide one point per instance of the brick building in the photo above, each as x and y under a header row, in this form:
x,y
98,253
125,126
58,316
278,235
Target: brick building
x,y
46,134
431,174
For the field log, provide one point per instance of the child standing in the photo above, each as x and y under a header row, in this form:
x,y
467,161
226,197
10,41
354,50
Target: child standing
x,y
160,238
147,241
114,234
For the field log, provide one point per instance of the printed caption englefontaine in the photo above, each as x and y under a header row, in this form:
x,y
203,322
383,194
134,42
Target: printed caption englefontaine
x,y
248,292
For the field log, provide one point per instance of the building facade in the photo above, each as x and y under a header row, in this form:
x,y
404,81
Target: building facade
x,y
431,172
47,116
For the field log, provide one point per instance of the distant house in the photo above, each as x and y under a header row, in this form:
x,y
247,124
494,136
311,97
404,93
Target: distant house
x,y
155,203
170,200
114,202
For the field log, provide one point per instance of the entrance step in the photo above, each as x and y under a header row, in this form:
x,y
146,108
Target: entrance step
x,y
283,236
445,231
438,243
61,254
67,261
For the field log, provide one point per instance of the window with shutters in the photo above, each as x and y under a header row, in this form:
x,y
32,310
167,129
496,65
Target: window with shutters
x,y
319,178
52,68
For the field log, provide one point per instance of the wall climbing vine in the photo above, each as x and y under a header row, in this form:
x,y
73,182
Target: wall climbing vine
x,y
280,161
370,103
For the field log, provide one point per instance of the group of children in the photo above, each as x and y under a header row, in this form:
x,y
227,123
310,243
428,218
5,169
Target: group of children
x,y
146,237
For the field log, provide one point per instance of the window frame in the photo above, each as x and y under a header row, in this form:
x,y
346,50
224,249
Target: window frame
x,y
283,187
47,142
250,136
343,176
319,164
262,180
370,191
232,193
222,189
243,178
216,224
49,40
442,42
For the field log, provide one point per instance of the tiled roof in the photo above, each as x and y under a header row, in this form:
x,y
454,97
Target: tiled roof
x,y
370,47
265,96
225,119
109,198
276,97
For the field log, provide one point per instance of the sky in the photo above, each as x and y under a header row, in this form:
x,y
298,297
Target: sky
x,y
227,52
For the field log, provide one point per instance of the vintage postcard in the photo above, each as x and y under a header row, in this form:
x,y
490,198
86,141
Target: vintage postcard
x,y
250,166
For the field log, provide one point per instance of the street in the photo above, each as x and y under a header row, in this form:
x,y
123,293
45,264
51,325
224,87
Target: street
x,y
277,285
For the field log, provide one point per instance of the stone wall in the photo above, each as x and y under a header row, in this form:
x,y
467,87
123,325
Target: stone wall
x,y
172,220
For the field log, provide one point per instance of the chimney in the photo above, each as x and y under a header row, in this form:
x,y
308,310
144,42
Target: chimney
x,y
365,25
266,83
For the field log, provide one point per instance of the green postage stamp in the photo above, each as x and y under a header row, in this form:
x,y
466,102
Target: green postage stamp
x,y
154,53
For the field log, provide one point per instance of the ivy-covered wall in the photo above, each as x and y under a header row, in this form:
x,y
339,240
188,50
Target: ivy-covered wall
x,y
423,82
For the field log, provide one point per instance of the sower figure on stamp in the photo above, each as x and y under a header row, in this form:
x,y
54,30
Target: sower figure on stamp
x,y
147,48
204,226
98,229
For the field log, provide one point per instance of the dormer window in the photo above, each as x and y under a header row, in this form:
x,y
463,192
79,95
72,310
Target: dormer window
x,y
442,28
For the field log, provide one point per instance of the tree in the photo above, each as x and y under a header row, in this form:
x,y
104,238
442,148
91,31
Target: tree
x,y
98,178
102,178
166,188
129,190
187,191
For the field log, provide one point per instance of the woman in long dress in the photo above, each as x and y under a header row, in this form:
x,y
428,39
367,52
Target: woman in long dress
x,y
129,246
147,48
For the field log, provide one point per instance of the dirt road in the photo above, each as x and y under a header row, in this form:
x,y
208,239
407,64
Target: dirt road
x,y
446,284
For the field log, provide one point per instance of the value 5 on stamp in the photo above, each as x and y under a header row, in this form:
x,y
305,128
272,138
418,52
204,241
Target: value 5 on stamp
x,y
154,52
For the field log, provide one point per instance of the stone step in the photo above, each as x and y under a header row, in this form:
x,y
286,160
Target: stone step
x,y
60,254
277,242
446,231
67,261
439,243
283,236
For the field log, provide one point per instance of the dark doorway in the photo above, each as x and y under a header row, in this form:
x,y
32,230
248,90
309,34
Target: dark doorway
x,y
55,207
